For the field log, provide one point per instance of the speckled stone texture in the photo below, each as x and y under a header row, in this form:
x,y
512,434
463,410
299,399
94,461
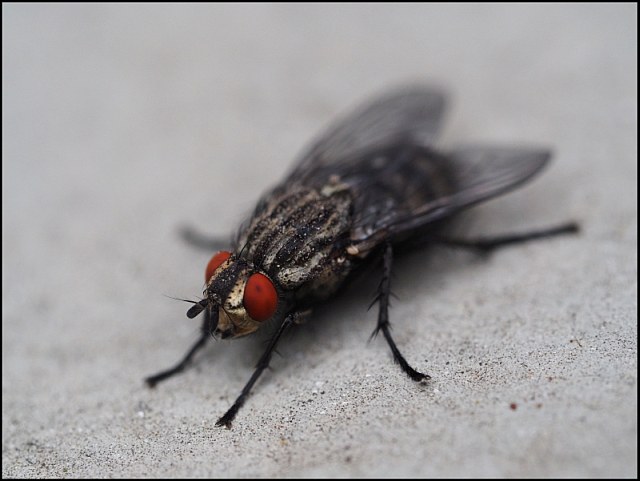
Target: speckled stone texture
x,y
123,122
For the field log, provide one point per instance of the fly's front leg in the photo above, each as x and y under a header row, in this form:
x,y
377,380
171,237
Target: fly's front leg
x,y
489,244
202,241
208,326
263,363
383,317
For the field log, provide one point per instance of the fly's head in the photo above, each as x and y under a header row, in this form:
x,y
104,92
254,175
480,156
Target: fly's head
x,y
238,297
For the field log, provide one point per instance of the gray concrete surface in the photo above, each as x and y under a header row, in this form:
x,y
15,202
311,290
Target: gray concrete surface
x,y
121,123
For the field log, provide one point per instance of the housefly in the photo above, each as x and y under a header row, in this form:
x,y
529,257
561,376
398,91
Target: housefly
x,y
371,184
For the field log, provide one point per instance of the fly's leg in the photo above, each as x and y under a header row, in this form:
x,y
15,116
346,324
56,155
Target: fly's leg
x,y
383,317
488,244
202,241
263,363
206,330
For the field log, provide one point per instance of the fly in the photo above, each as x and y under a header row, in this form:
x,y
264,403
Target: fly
x,y
370,185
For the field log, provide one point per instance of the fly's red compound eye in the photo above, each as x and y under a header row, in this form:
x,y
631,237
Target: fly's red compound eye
x,y
214,263
260,297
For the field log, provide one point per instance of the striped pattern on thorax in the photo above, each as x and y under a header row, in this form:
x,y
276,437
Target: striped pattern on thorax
x,y
295,232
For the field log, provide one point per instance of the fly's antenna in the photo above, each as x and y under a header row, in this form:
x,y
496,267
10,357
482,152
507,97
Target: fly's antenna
x,y
197,308
183,300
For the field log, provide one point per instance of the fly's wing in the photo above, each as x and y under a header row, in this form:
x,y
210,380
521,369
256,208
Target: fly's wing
x,y
381,153
411,115
404,187
436,187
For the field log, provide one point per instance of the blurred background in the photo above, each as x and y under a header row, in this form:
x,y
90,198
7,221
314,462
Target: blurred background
x,y
123,122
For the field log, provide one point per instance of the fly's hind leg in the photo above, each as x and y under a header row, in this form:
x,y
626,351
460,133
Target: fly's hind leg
x,y
208,326
487,245
383,317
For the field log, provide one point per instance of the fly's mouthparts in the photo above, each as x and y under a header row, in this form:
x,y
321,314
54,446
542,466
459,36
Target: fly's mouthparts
x,y
223,334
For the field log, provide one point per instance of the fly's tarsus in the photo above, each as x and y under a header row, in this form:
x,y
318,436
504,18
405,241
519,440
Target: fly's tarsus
x,y
383,316
161,376
209,323
263,363
487,245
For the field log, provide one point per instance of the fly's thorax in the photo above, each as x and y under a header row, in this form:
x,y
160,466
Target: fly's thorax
x,y
297,232
244,296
